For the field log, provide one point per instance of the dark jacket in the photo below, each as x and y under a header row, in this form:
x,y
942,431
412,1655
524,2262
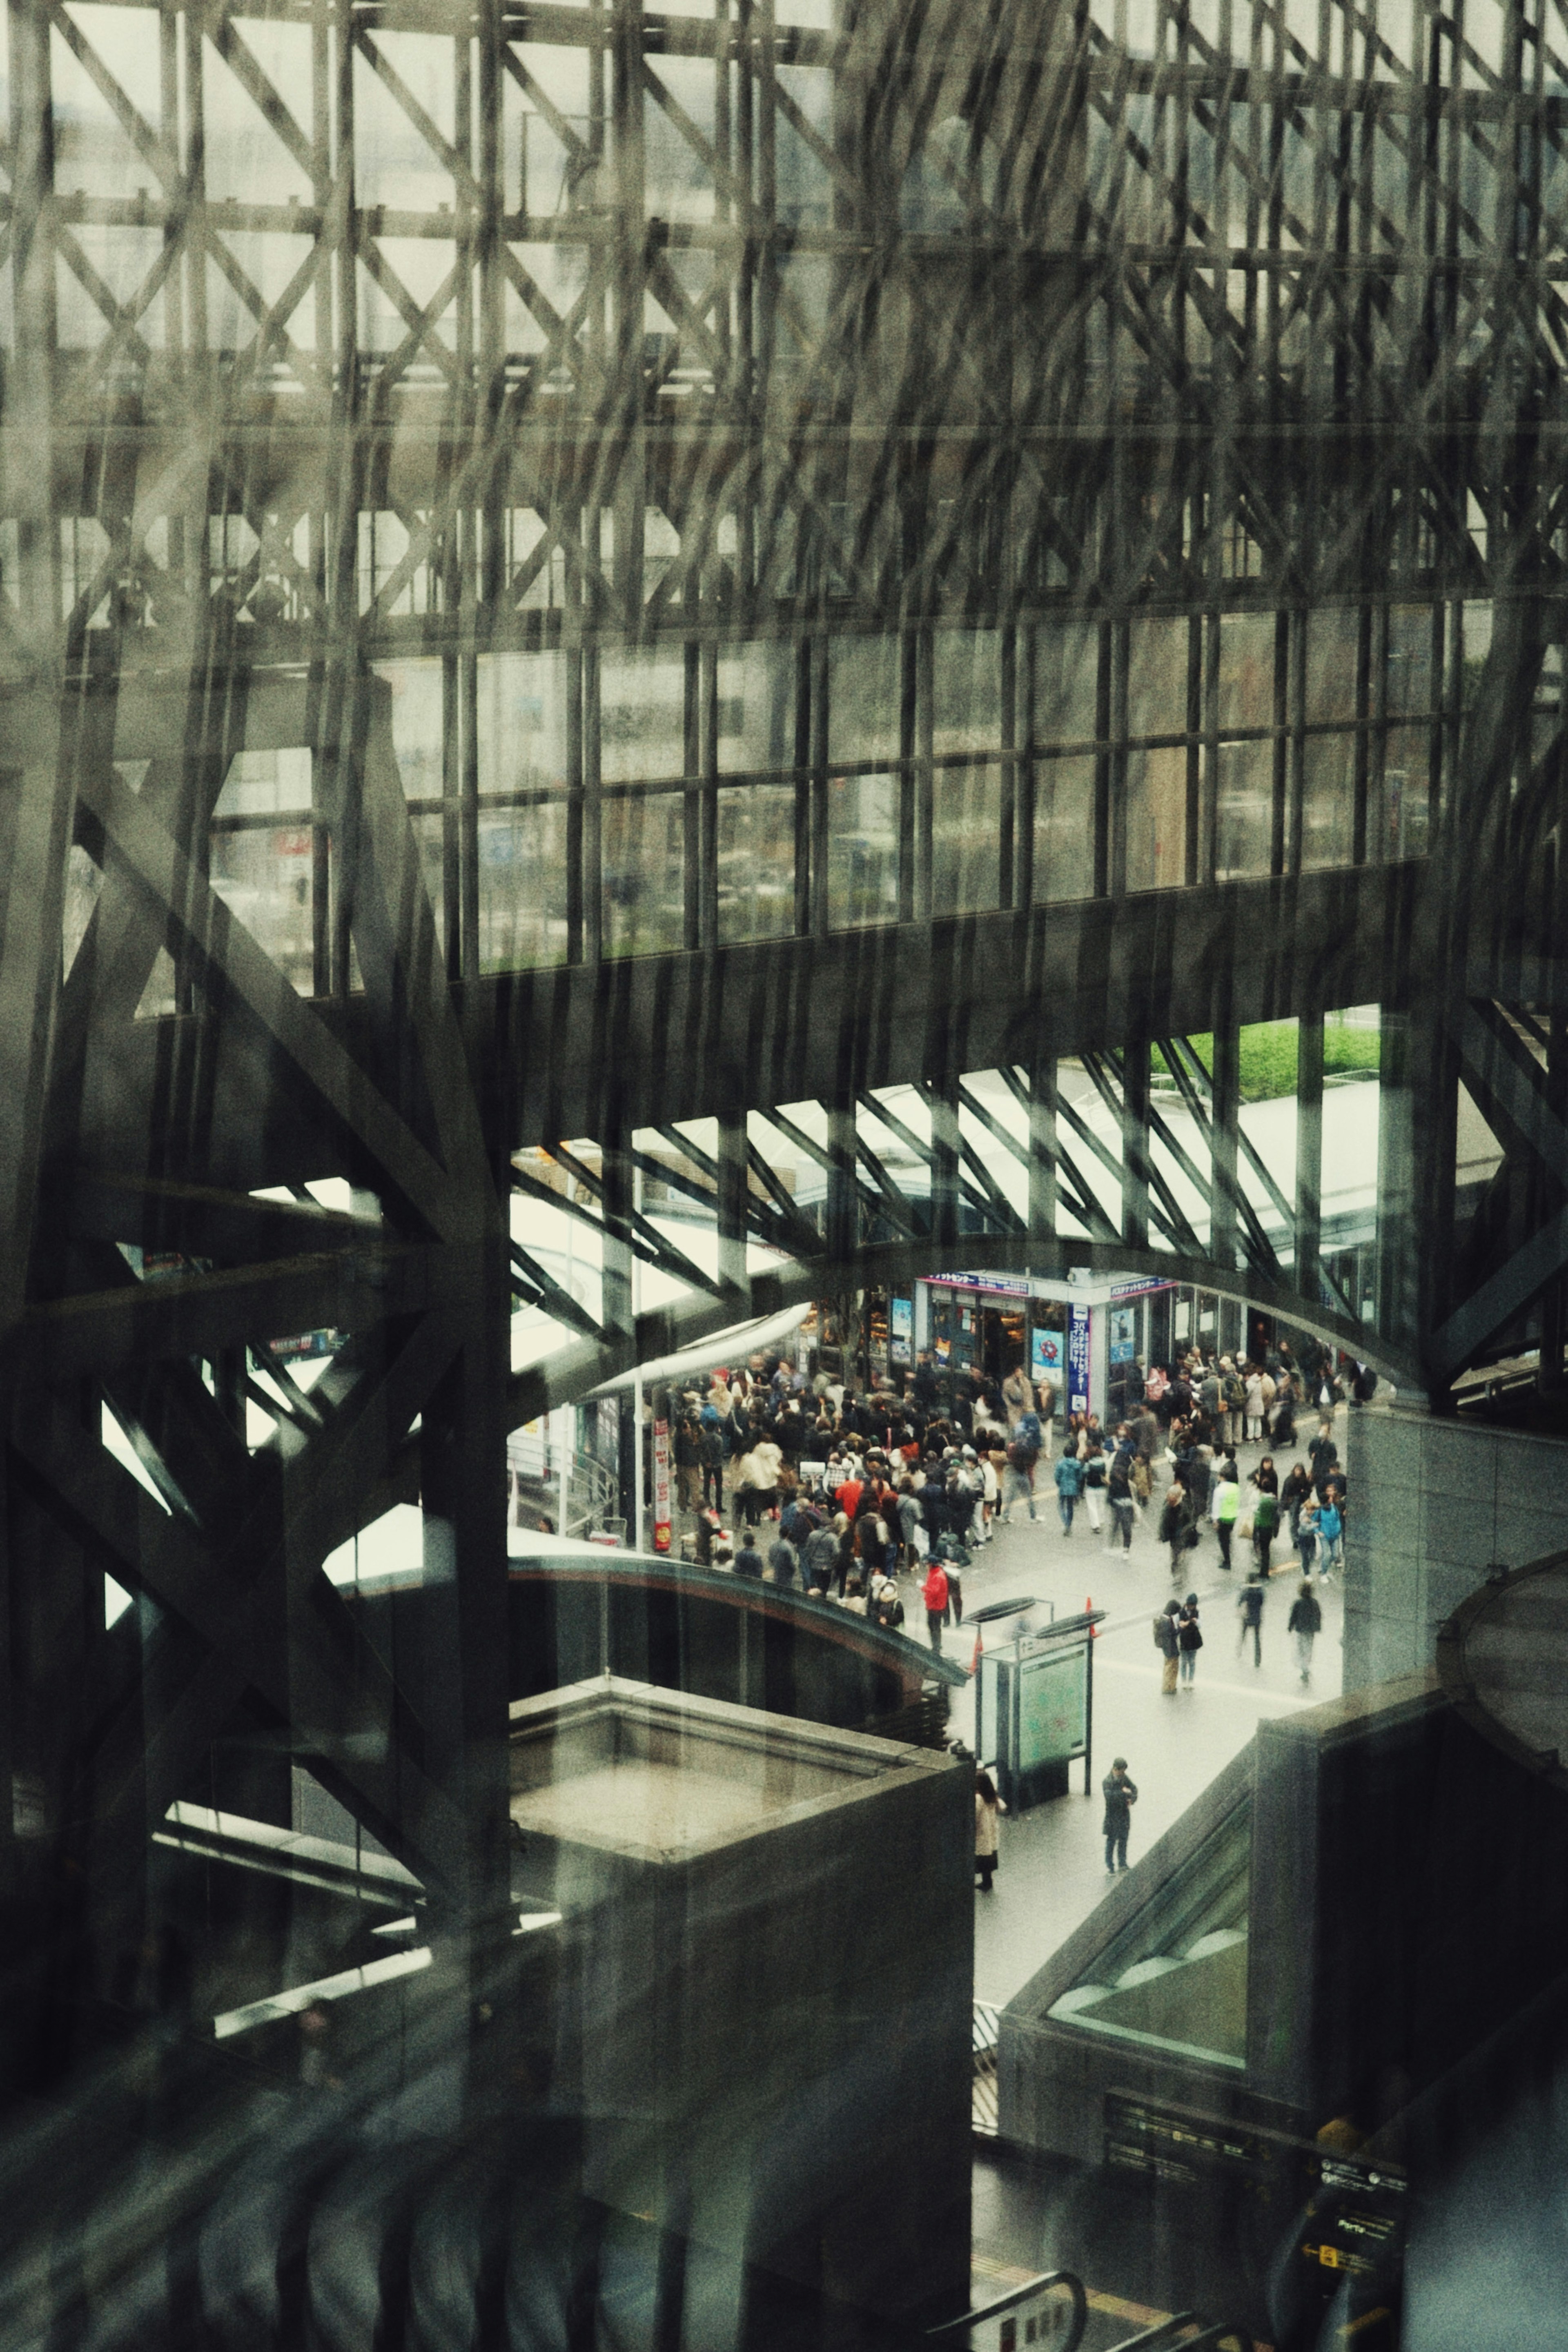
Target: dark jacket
x,y
1121,1796
1306,1617
1166,1634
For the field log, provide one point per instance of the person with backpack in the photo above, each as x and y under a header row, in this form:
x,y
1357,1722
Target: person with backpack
x,y
934,1594
1189,1640
1167,1641
1018,1479
1306,1623
1070,1485
1332,1535
1249,1610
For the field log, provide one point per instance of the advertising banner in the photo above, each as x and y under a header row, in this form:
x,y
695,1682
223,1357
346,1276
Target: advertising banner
x,y
1046,1357
661,1485
901,1330
1077,1359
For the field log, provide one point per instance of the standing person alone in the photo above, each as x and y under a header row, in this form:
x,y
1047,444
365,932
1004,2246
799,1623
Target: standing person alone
x,y
987,1842
935,1596
1121,1796
1305,1625
1224,1502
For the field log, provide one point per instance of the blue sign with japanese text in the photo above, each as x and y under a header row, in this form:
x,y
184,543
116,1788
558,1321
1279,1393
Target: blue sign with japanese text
x,y
1077,1359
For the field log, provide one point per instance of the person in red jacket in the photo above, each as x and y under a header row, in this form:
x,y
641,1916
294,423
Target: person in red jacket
x,y
935,1591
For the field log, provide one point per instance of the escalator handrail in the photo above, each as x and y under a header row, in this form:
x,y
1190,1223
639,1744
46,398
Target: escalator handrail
x,y
1159,2332
953,2330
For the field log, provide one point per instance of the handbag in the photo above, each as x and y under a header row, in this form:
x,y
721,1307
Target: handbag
x,y
1244,1530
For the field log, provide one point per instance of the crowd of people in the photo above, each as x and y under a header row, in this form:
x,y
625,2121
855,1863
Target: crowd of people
x,y
839,1489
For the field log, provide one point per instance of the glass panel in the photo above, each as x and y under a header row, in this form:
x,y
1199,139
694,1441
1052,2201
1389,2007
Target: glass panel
x,y
1406,792
967,839
1066,670
522,887
756,862
1246,670
1064,829
862,850
1328,801
1411,680
1156,819
644,886
863,699
756,706
642,726
966,690
1157,677
263,874
259,784
1330,685
1244,809
417,688
520,730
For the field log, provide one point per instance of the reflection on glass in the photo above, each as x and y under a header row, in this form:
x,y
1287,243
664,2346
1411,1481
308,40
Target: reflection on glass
x,y
756,706
1410,674
756,862
1156,677
521,721
522,887
966,690
1406,792
1328,801
1067,672
263,874
642,714
1064,829
1244,809
417,725
1246,670
1156,818
863,699
862,850
643,872
967,835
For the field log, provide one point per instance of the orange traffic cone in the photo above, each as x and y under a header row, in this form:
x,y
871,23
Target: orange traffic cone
x,y
1088,1608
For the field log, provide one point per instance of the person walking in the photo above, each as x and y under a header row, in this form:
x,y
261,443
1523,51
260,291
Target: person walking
x,y
1176,1527
1249,1610
1167,1641
1070,1485
1306,1622
1094,1480
1017,1396
1121,1796
1307,1539
1119,1494
1224,1502
934,1592
1332,1531
988,1805
1265,1520
1189,1640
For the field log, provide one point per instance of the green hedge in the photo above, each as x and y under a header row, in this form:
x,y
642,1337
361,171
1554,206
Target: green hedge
x,y
1268,1056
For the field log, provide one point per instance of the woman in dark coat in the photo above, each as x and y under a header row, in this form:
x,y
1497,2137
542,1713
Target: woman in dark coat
x,y
1176,1524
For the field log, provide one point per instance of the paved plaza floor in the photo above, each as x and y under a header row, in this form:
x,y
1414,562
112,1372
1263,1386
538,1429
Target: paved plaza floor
x,y
1052,1869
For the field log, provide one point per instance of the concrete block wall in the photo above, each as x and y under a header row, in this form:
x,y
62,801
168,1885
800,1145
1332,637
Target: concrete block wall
x,y
1433,1504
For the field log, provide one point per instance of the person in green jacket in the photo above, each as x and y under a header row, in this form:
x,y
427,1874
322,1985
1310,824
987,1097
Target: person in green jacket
x,y
1224,1502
